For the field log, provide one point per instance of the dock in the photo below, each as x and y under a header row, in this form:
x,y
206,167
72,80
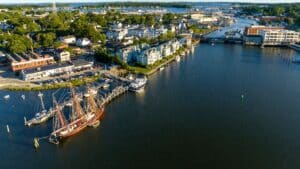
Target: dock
x,y
295,47
113,94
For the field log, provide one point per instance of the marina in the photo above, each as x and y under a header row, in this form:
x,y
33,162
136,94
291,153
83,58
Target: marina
x,y
215,114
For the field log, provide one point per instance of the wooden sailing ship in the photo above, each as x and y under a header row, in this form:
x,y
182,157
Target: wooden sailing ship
x,y
79,118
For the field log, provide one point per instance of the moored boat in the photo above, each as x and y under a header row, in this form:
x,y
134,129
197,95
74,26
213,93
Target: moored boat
x,y
138,85
41,116
79,120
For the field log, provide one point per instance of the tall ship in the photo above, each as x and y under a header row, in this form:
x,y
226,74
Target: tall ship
x,y
42,116
79,118
138,84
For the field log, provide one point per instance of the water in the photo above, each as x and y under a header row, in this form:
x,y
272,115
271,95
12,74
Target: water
x,y
191,115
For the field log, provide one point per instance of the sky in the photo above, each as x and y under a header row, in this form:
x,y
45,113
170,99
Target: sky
x,y
67,1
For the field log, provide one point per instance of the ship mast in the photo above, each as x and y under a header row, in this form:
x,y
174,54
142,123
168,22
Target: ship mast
x,y
59,120
41,98
92,105
77,111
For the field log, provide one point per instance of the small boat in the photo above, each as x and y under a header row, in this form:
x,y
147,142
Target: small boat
x,y
42,116
212,44
6,97
23,96
161,68
95,124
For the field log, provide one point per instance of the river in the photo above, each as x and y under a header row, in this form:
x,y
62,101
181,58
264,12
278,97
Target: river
x,y
191,115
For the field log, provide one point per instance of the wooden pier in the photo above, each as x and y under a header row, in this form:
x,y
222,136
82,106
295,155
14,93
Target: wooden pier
x,y
113,94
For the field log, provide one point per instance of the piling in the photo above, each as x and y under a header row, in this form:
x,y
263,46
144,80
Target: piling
x,y
36,143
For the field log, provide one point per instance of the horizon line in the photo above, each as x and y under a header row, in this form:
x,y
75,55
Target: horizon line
x,y
149,1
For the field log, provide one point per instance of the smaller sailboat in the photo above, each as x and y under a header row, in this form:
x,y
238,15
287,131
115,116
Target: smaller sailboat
x,y
42,116
23,97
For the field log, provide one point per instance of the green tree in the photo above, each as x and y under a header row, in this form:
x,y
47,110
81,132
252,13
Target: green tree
x,y
46,39
18,44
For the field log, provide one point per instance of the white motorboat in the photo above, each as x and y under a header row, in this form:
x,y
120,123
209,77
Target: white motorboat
x,y
6,97
138,84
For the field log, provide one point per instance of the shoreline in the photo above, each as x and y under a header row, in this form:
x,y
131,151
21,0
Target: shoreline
x,y
27,86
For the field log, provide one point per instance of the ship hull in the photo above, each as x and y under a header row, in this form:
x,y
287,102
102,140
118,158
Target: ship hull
x,y
98,116
71,129
137,89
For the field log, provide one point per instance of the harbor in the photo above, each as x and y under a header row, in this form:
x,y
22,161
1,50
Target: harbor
x,y
156,119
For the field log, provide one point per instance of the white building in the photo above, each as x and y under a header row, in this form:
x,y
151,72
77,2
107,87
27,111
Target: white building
x,y
83,42
116,34
137,32
63,56
129,54
56,70
201,18
165,49
279,37
149,56
46,71
68,39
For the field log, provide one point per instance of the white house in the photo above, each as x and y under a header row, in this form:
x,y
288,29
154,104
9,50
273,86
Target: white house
x,y
68,39
63,56
83,42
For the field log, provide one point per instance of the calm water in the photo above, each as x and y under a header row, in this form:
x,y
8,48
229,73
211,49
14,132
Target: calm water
x,y
190,116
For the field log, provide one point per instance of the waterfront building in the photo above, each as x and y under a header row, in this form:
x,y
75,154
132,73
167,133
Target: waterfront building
x,y
56,70
46,71
186,40
164,49
252,35
279,37
129,54
30,60
255,29
80,65
68,39
149,56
